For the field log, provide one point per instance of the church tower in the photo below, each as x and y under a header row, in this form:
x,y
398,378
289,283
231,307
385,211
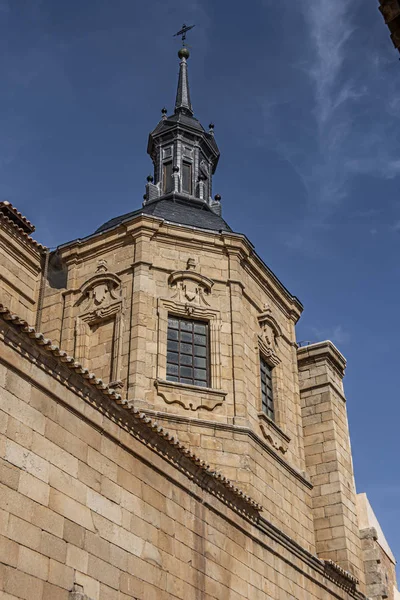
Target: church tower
x,y
178,313
184,155
168,438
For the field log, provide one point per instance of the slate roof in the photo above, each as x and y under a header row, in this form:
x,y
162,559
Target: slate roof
x,y
175,211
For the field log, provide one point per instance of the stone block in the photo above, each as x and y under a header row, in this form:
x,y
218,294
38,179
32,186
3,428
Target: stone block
x,y
8,552
48,520
61,575
9,474
90,586
24,533
33,563
103,572
74,533
70,509
53,547
22,585
34,488
77,558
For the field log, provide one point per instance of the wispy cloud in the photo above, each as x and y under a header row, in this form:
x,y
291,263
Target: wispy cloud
x,y
329,29
348,130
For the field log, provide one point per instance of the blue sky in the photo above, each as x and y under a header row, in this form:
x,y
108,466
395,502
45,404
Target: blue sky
x,y
305,97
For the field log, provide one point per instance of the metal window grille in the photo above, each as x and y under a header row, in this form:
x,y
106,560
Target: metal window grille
x,y
266,389
188,352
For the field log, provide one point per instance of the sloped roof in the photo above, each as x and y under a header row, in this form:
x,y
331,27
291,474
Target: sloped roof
x,y
175,211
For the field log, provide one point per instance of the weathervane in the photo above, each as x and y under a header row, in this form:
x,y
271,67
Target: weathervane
x,y
183,32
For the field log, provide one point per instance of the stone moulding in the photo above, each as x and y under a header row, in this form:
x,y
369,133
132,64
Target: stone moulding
x,y
175,418
121,411
273,434
190,397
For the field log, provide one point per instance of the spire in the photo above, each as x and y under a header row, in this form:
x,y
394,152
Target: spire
x,y
183,103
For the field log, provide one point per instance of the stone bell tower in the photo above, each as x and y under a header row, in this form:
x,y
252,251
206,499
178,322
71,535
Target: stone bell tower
x,y
184,155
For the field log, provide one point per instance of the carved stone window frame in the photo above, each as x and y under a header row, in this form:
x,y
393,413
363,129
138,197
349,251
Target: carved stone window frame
x,y
168,307
196,396
267,348
84,322
96,312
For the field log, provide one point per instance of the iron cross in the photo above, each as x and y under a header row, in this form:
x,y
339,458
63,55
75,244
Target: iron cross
x,y
183,32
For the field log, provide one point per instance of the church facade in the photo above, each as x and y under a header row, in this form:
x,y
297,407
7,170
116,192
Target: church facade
x,y
162,435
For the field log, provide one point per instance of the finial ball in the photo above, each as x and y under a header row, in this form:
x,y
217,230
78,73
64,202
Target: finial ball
x,y
217,197
183,52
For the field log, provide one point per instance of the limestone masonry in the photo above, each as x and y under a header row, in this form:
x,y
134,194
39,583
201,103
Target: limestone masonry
x,y
162,435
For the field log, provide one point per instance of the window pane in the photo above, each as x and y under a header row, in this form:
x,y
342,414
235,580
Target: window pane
x,y
172,346
187,361
172,334
172,357
267,401
200,351
186,348
200,362
186,337
200,374
202,383
200,328
185,371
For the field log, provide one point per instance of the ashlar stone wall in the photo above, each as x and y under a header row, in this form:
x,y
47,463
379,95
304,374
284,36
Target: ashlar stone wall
x,y
99,503
129,280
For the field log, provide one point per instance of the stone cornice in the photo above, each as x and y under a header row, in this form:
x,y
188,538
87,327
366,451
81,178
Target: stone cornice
x,y
121,411
322,351
229,241
234,429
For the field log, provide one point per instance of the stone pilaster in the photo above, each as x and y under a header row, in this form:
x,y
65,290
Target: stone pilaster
x,y
237,341
328,456
142,295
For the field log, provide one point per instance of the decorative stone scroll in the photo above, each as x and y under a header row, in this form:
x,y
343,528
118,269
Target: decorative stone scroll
x,y
269,336
189,287
273,434
189,397
100,300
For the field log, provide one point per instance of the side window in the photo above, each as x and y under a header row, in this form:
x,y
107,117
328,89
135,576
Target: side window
x,y
187,177
267,398
188,351
167,177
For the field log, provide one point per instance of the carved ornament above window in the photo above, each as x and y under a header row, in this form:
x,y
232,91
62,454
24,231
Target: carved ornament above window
x,y
189,286
269,336
99,293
